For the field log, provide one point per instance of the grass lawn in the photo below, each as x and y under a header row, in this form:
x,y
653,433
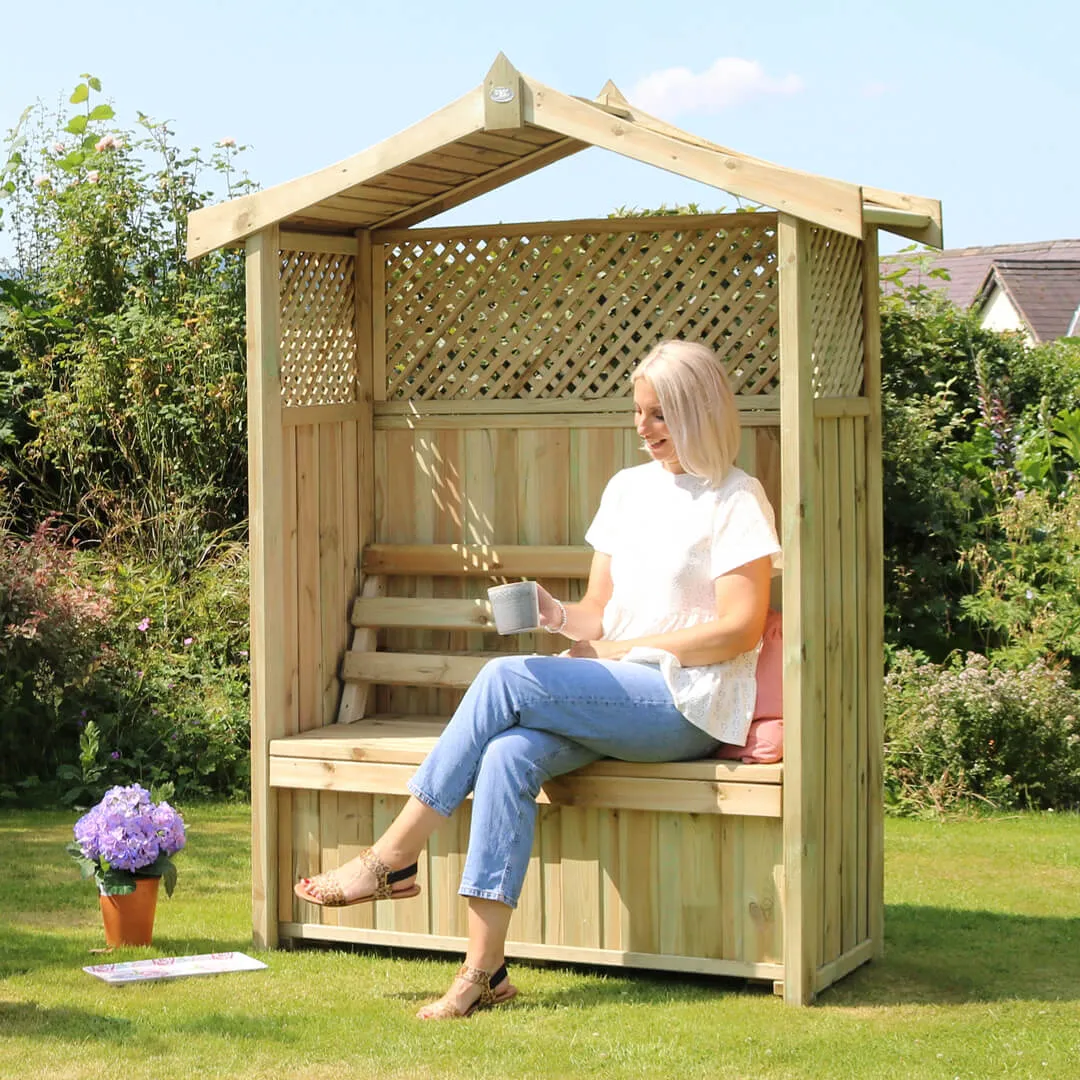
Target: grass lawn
x,y
981,979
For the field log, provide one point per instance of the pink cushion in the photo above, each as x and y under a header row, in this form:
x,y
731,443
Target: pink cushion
x,y
770,670
765,740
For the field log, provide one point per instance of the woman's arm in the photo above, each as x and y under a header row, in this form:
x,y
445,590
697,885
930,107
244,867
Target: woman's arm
x,y
585,618
742,602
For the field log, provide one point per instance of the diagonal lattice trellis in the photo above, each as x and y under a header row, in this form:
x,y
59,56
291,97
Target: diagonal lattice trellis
x,y
318,339
836,315
567,315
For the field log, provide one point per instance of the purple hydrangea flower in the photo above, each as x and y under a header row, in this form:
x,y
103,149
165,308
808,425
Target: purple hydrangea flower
x,y
126,831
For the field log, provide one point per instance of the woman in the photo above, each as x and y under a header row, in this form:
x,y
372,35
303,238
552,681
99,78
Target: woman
x,y
660,666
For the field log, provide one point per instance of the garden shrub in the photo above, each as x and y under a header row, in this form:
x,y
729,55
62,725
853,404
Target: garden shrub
x,y
123,364
112,672
968,732
1028,590
171,704
53,627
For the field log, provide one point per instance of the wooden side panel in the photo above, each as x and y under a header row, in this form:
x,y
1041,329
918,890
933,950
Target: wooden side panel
x,y
848,746
852,567
834,675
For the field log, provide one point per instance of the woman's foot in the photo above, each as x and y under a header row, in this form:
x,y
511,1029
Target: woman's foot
x,y
473,988
358,881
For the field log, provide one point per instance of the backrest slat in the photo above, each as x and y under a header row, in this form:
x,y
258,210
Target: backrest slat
x,y
463,560
422,613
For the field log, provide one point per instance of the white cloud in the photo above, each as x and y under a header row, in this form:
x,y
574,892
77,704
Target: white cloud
x,y
730,80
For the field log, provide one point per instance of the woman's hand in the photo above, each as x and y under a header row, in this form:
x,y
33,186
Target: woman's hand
x,y
551,614
598,650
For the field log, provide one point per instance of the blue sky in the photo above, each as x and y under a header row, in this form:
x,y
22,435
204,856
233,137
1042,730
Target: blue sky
x,y
972,103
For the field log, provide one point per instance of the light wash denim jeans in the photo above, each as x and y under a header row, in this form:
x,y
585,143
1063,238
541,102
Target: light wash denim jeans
x,y
526,719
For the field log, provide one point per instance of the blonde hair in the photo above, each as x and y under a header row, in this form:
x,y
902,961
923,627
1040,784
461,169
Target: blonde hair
x,y
698,405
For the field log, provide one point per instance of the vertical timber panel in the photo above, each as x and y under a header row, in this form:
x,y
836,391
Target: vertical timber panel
x,y
639,880
862,587
309,630
762,911
850,566
671,869
833,614
356,830
268,528
875,598
705,890
333,601
581,893
329,853
803,690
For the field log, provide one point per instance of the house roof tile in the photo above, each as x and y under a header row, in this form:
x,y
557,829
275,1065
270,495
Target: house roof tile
x,y
968,267
1045,292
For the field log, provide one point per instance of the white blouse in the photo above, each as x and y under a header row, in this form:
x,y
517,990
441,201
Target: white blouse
x,y
670,535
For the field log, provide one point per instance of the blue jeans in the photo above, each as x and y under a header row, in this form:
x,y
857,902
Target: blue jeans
x,y
526,719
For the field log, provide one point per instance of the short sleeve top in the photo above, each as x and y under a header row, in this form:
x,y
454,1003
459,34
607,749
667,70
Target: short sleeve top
x,y
670,535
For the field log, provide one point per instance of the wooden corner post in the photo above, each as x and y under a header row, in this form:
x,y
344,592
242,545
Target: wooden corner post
x,y
875,603
803,669
266,512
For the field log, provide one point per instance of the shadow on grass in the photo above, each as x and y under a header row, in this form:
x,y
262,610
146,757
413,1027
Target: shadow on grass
x,y
601,985
952,956
37,1022
932,956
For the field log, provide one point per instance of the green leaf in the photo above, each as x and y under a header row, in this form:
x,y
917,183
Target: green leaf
x,y
76,125
89,142
72,160
117,882
169,878
95,84
82,92
102,112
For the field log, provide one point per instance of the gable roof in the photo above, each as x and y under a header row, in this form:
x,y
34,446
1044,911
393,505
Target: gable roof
x,y
968,267
1044,292
512,125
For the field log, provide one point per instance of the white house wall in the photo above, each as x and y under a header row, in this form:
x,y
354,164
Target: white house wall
x,y
998,313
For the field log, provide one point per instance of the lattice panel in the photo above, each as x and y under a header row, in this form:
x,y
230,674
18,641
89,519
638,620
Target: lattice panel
x,y
318,338
836,313
563,315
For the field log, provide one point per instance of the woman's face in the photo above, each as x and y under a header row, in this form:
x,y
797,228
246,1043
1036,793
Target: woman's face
x,y
649,423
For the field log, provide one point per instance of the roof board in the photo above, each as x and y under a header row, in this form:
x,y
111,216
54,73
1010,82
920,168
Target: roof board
x,y
506,128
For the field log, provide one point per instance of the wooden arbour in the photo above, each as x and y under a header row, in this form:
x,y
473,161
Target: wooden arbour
x,y
432,409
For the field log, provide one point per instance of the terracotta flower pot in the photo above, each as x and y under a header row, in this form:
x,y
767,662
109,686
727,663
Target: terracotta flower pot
x,y
129,919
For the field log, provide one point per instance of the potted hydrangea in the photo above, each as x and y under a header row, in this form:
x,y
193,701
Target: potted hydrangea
x,y
126,844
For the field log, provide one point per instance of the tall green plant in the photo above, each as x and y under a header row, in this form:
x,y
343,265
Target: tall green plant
x,y
125,370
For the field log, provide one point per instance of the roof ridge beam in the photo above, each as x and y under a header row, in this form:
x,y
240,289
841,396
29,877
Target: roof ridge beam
x,y
833,204
226,223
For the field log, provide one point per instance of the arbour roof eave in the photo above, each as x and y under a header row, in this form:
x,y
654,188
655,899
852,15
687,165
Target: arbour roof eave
x,y
378,176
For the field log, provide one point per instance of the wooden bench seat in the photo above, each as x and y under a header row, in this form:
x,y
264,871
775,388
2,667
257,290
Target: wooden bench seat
x,y
380,753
